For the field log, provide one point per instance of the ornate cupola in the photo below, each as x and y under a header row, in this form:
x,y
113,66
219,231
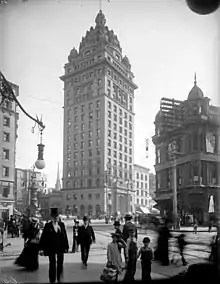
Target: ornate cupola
x,y
195,93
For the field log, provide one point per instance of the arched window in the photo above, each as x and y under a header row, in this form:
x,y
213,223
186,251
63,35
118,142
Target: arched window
x,y
90,210
98,210
82,210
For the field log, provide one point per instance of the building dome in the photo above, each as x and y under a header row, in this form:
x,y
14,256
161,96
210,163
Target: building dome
x,y
126,62
158,116
196,92
73,54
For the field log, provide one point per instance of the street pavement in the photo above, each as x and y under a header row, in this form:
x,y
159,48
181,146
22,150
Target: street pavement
x,y
74,272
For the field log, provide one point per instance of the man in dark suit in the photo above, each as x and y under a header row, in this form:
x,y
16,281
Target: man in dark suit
x,y
127,226
86,237
54,243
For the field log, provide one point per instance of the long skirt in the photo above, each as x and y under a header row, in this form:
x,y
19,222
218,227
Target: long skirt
x,y
75,244
29,257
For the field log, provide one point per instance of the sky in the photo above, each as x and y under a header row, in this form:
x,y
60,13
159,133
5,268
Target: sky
x,y
165,42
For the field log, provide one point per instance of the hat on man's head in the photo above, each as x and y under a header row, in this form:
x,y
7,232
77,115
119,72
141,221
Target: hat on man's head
x,y
76,221
128,216
117,223
34,219
146,240
85,218
54,212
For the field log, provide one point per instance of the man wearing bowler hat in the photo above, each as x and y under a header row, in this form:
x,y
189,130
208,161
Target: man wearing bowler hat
x,y
54,243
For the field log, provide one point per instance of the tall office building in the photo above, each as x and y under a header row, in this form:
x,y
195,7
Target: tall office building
x,y
98,125
8,136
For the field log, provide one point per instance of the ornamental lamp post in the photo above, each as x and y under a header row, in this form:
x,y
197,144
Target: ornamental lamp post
x,y
7,94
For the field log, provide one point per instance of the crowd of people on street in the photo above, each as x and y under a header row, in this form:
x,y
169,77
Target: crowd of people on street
x,y
53,242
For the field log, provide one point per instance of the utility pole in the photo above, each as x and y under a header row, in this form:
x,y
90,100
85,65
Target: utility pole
x,y
175,211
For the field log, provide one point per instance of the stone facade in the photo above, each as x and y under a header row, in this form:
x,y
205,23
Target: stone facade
x,y
98,123
189,131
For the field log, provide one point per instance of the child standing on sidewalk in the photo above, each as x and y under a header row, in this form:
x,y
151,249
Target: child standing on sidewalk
x,y
146,255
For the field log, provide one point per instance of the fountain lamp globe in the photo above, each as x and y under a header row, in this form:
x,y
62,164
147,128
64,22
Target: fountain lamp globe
x,y
203,7
40,163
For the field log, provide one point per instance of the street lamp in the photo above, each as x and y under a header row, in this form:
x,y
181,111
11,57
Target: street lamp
x,y
7,94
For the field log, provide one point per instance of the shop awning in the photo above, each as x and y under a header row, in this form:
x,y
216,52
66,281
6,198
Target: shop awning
x,y
145,210
142,210
16,212
164,197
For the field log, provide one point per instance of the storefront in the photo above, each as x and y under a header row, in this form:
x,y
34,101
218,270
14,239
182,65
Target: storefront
x,y
6,208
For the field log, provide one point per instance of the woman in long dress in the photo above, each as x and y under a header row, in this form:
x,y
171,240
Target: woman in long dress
x,y
29,256
114,259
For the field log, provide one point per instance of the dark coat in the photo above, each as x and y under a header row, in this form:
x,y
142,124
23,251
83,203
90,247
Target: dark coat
x,y
52,241
127,226
86,235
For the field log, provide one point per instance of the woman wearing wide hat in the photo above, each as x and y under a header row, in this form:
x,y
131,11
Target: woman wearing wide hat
x,y
29,256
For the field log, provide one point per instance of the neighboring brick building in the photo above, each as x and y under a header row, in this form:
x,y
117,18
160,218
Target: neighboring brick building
x,y
192,127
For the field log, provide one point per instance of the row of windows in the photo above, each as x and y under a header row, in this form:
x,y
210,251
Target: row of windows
x,y
115,144
120,165
83,172
90,151
120,148
83,64
120,131
82,196
83,183
90,144
142,192
141,185
120,122
82,162
6,121
120,156
115,109
142,202
90,115
115,77
82,135
118,80
81,155
84,77
141,176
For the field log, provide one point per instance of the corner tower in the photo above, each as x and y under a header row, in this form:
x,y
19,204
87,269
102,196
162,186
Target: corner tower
x,y
98,124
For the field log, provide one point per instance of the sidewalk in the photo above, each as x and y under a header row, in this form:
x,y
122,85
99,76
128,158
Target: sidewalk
x,y
75,272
